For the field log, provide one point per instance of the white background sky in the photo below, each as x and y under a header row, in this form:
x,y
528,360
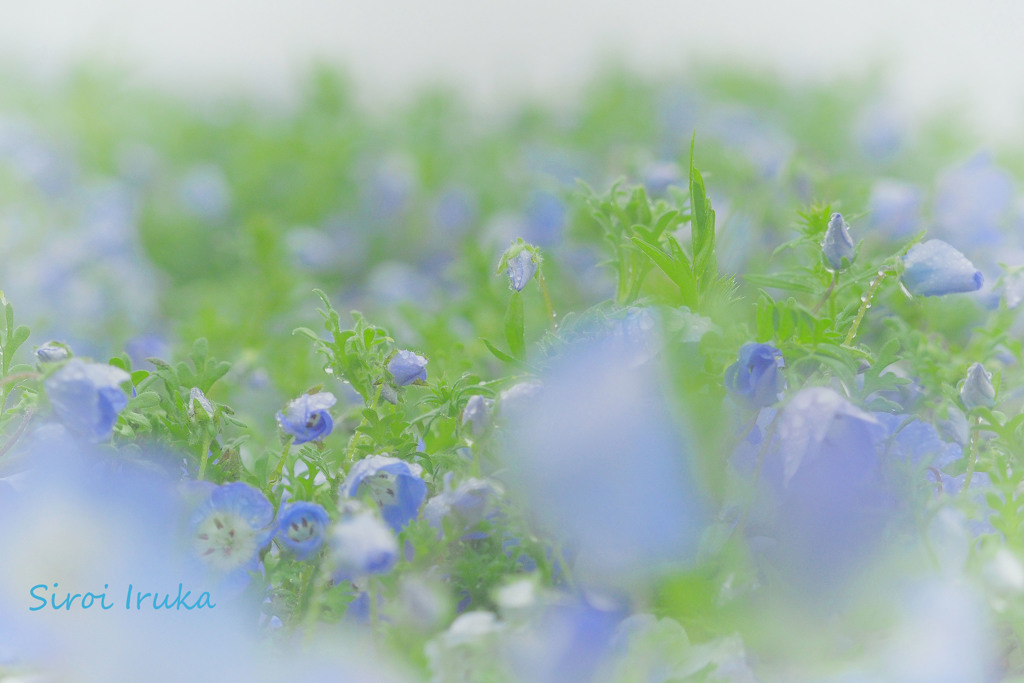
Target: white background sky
x,y
938,50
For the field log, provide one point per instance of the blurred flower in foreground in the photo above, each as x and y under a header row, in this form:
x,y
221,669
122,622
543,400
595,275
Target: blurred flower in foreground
x,y
565,641
935,268
408,367
838,245
306,417
976,391
87,397
395,485
755,377
301,526
944,635
597,457
831,501
360,545
229,529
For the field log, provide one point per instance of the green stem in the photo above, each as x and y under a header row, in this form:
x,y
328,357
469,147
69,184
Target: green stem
x,y
972,454
315,592
280,465
204,454
865,304
828,293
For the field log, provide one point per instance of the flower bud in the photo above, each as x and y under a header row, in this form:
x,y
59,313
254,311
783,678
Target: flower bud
x,y
408,367
934,268
838,245
755,376
976,390
521,268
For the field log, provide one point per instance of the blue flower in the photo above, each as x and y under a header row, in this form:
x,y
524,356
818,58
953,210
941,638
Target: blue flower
x,y
521,268
87,397
895,207
838,245
394,484
471,502
564,456
973,200
976,390
476,416
755,377
52,352
360,545
832,502
408,367
204,192
935,268
230,527
301,526
306,418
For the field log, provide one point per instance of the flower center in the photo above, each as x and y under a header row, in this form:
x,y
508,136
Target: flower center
x,y
301,530
225,541
382,487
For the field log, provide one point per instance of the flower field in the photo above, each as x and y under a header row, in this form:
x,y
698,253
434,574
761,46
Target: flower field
x,y
715,378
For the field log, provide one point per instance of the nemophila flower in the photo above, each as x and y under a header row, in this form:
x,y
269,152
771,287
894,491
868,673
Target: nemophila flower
x,y
360,545
545,219
204,192
661,175
976,391
756,378
517,397
306,417
520,264
972,199
407,367
472,501
395,485
838,245
455,210
878,133
830,500
895,207
916,442
565,641
52,352
934,268
229,528
476,416
301,527
597,458
87,397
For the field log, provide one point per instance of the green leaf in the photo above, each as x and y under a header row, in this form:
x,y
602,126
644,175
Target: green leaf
x,y
499,354
515,332
19,337
676,266
702,220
